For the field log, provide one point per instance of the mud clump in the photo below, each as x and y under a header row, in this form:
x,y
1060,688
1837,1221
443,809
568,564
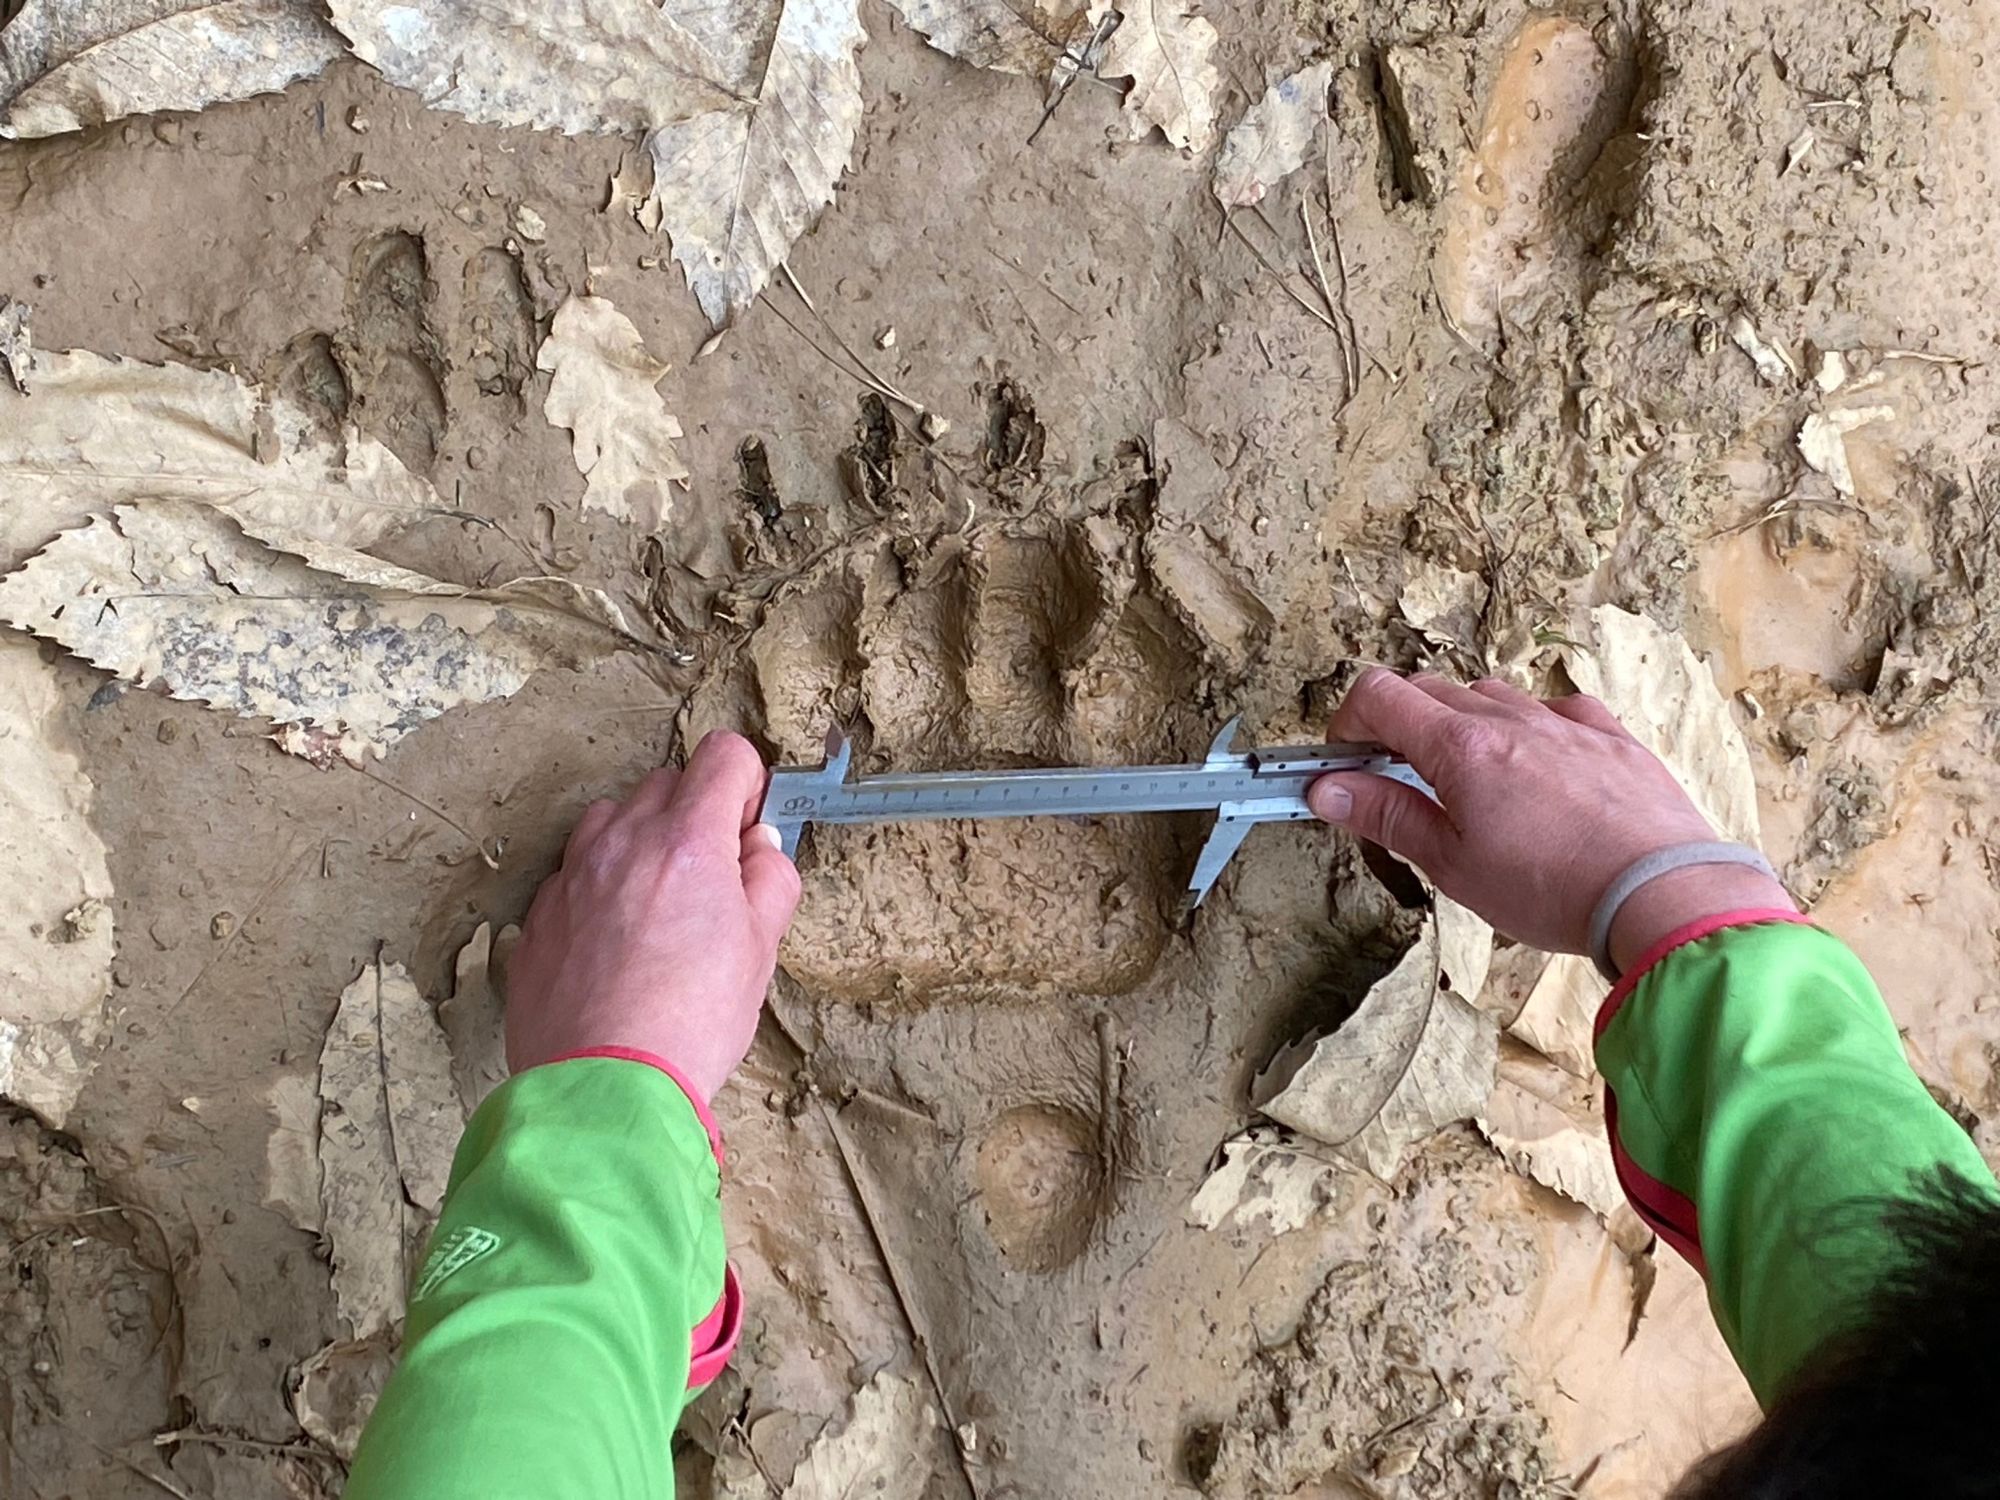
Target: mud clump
x,y
1387,1375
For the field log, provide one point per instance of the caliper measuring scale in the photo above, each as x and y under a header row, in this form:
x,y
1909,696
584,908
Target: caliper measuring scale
x,y
1241,787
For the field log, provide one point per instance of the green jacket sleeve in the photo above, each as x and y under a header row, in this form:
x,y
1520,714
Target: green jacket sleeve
x,y
576,1263
1761,1111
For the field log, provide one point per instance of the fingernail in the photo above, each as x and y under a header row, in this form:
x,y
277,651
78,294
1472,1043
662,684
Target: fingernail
x,y
1330,802
770,835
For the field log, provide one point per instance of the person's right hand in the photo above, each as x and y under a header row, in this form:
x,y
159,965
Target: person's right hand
x,y
1545,803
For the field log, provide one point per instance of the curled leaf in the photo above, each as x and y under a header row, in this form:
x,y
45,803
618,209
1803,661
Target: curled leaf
x,y
1414,1058
1271,140
68,66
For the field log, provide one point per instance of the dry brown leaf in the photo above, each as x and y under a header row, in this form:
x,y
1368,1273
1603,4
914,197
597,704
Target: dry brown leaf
x,y
56,941
291,1152
66,65
1271,140
883,1451
1823,440
1266,1173
1167,52
175,594
334,1391
1445,605
737,185
602,388
1774,362
578,66
474,1018
1010,36
389,1122
1549,1126
101,432
1411,1060
17,343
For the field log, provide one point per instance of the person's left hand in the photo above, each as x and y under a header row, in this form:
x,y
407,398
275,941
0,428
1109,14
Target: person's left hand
x,y
660,931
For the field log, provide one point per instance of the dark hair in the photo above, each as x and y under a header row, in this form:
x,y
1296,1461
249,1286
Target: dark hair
x,y
1906,1404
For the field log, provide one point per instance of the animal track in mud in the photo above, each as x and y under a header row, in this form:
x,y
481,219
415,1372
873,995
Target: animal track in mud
x,y
1046,1175
1033,643
393,360
500,323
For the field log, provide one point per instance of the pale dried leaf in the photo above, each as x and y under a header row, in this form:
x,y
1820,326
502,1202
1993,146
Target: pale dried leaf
x,y
99,433
1650,678
1560,1013
1411,1060
1823,440
1266,1174
66,65
1465,947
56,939
578,66
389,1122
1832,372
631,187
1774,362
1665,695
1799,150
1271,140
1549,1126
175,594
1010,36
474,1018
335,1390
737,185
883,1451
291,1151
17,343
1167,52
1444,604
602,388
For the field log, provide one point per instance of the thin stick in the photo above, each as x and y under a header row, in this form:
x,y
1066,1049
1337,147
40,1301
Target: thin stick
x,y
248,1445
491,861
1283,285
285,869
845,348
1349,365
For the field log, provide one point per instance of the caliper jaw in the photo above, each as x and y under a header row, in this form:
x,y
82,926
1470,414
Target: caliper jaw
x,y
795,793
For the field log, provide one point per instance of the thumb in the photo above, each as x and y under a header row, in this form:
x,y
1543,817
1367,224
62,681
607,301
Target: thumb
x,y
1399,818
770,882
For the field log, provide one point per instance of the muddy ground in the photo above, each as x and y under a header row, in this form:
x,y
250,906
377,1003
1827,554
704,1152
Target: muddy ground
x,y
998,1066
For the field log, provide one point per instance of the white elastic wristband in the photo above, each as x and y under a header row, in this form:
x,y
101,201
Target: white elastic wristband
x,y
1651,867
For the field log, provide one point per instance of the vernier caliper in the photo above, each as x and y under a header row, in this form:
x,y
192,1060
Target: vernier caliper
x,y
1242,787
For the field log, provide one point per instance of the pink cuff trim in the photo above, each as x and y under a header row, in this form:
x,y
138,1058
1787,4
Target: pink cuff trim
x,y
715,1335
653,1060
1680,937
1669,1213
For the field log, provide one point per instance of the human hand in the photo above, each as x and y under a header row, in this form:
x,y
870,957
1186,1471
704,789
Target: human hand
x,y
1545,803
660,931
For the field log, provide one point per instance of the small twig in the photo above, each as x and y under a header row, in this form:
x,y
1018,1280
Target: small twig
x,y
248,1445
490,860
1229,221
1350,367
294,858
845,348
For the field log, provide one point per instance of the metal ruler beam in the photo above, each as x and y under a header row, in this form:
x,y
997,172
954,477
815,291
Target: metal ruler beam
x,y
1242,788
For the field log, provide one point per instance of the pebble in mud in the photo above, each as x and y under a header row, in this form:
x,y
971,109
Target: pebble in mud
x,y
222,924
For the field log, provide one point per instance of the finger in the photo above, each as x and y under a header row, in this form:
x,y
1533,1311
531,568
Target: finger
x,y
1453,695
653,794
1385,709
722,789
1399,818
1506,694
770,882
596,818
1584,709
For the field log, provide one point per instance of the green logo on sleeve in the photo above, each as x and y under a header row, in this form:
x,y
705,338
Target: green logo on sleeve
x,y
451,1255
